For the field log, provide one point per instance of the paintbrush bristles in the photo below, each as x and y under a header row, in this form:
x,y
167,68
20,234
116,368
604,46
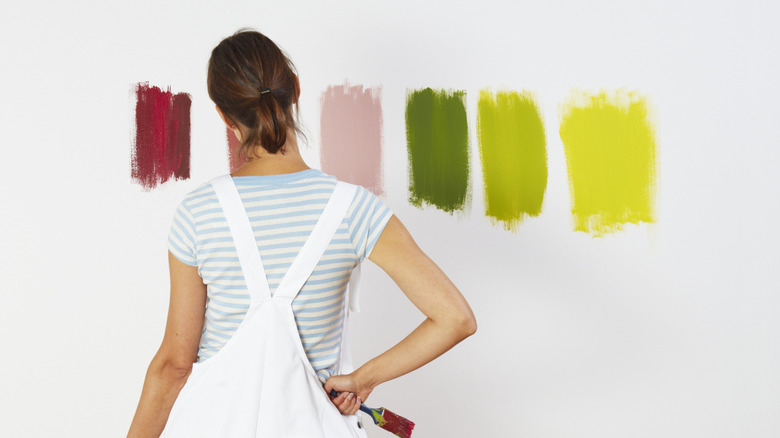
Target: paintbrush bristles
x,y
396,424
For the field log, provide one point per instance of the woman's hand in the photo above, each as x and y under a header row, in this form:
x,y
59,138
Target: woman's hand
x,y
352,393
347,403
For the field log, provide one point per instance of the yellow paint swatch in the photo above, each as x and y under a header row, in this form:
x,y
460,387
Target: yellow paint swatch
x,y
611,153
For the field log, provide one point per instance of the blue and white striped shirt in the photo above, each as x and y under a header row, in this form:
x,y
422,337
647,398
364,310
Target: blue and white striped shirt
x,y
282,210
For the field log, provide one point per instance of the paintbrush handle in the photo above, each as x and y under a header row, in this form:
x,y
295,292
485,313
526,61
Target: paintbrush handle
x,y
366,409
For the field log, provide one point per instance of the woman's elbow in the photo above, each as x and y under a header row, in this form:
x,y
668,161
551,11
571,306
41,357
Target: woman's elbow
x,y
463,325
171,368
468,325
178,371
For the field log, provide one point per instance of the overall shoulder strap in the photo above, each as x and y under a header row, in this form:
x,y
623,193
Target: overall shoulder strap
x,y
318,241
243,237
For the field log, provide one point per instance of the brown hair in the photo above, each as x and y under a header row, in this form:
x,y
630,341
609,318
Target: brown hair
x,y
242,70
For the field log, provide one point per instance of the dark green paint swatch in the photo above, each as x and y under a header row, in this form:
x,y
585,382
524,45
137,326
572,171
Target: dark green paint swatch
x,y
438,145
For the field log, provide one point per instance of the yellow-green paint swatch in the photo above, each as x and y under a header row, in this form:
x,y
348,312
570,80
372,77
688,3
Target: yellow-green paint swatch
x,y
610,149
513,150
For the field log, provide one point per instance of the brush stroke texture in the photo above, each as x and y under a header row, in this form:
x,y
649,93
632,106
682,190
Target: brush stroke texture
x,y
438,147
161,149
513,150
610,149
351,135
234,158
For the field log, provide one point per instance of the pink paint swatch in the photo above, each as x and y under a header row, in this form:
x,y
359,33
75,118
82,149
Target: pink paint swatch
x,y
161,150
234,159
351,135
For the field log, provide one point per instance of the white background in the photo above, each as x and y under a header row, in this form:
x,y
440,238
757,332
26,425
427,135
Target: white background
x,y
667,330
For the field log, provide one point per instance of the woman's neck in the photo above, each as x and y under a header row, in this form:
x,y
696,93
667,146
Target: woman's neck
x,y
264,163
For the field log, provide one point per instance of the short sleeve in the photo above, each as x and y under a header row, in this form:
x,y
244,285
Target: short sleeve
x,y
368,217
181,236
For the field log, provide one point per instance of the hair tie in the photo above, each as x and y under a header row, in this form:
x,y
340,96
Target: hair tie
x,y
264,91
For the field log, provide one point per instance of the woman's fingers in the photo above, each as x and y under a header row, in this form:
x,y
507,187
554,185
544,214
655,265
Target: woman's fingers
x,y
340,400
351,405
355,406
347,403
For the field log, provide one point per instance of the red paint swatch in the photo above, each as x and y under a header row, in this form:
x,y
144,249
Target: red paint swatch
x,y
162,136
234,158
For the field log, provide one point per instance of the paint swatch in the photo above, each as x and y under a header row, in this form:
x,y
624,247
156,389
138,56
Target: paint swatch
x,y
438,147
161,150
513,150
351,135
234,158
610,149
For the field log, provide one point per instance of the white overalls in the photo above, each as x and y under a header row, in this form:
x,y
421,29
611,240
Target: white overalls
x,y
261,384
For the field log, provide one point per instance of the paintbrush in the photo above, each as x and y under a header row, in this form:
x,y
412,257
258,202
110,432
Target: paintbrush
x,y
387,420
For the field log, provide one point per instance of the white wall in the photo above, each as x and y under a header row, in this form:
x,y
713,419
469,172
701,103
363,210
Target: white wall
x,y
665,330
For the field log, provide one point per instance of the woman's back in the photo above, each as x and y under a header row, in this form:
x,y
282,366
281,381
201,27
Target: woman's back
x,y
282,210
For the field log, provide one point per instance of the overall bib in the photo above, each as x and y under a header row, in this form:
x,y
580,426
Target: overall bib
x,y
261,384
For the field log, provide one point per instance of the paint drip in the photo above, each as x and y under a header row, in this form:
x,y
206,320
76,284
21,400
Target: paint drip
x,y
161,149
351,135
438,147
611,152
513,150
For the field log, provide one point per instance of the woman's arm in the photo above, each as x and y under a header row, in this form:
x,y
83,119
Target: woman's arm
x,y
172,364
449,318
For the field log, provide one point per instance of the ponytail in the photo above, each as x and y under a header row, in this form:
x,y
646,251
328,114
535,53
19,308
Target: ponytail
x,y
272,119
254,83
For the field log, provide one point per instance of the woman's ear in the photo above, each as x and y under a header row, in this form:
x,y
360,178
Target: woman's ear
x,y
224,118
297,88
231,125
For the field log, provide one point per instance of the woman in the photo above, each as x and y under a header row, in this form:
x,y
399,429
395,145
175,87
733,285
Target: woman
x,y
246,380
